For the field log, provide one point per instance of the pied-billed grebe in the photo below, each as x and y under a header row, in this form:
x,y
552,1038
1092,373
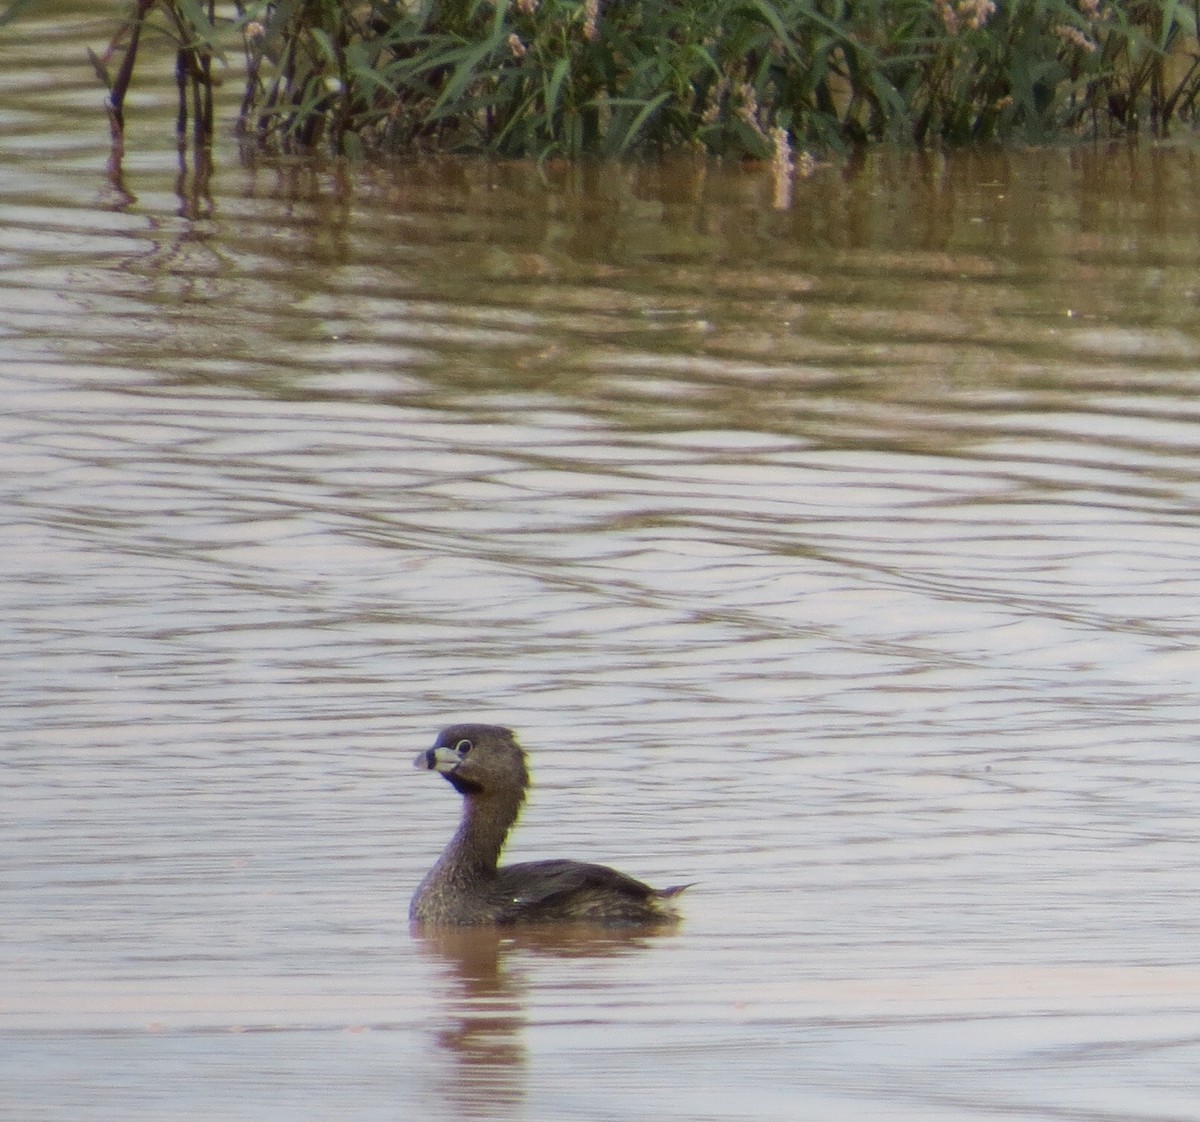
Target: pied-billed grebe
x,y
486,765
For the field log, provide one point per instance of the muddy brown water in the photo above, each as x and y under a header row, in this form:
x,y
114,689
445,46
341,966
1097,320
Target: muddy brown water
x,y
843,559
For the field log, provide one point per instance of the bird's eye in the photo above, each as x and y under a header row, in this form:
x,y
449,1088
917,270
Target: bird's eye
x,y
463,747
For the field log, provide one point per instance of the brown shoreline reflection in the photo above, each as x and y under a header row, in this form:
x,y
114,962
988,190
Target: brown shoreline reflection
x,y
485,975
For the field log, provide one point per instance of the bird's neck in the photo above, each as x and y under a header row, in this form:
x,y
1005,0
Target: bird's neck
x,y
474,851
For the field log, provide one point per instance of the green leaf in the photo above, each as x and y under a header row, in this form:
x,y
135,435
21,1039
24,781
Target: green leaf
x,y
321,38
465,72
368,79
101,69
554,86
1170,18
635,127
194,18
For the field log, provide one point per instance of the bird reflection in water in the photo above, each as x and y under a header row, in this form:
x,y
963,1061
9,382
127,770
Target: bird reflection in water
x,y
486,976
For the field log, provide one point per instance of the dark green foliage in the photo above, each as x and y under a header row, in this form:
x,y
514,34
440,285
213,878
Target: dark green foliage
x,y
570,78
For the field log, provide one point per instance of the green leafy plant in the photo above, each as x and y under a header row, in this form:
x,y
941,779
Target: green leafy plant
x,y
749,78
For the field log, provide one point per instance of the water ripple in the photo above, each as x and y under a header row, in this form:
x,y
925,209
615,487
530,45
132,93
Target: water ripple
x,y
841,561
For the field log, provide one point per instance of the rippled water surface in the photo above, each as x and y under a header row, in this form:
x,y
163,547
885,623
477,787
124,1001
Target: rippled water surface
x,y
844,560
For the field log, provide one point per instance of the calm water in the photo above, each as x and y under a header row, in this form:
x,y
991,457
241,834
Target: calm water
x,y
841,559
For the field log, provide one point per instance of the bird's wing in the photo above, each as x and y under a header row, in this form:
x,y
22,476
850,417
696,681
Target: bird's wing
x,y
534,886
